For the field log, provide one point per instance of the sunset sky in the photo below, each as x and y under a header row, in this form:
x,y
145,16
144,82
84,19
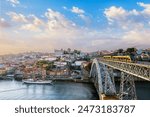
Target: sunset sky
x,y
89,25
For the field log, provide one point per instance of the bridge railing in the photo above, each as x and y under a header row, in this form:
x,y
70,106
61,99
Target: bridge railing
x,y
138,70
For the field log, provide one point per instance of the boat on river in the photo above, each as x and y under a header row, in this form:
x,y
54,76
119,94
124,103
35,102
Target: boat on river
x,y
36,80
31,81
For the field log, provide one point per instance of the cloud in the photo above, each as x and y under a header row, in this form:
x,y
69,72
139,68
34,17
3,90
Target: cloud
x,y
4,23
146,8
132,38
134,12
115,13
137,38
77,10
30,27
14,2
80,13
55,31
64,7
55,21
30,22
17,17
128,19
58,21
33,24
131,24
35,20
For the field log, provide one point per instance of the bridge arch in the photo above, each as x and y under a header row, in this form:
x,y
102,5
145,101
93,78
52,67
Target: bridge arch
x,y
103,78
96,73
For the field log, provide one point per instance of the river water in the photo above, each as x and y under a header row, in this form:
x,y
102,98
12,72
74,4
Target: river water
x,y
14,90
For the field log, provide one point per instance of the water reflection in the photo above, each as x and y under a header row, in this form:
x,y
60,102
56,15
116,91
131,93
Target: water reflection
x,y
59,91
14,90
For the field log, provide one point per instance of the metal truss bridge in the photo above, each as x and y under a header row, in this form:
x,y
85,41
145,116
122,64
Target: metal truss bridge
x,y
102,75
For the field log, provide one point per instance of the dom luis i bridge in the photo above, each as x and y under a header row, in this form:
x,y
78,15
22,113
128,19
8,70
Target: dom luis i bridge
x,y
102,75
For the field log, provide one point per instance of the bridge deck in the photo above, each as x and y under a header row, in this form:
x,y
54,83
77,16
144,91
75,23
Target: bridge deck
x,y
138,70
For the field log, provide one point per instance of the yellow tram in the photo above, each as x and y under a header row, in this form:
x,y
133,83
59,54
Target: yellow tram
x,y
118,58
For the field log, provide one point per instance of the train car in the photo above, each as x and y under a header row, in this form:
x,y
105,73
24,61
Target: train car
x,y
121,58
118,58
107,57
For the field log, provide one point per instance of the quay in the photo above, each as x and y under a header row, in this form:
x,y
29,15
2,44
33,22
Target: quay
x,y
70,79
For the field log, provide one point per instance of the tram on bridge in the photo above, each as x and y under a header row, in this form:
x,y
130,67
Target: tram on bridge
x,y
118,58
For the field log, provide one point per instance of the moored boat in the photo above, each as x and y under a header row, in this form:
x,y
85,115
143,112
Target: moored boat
x,y
31,81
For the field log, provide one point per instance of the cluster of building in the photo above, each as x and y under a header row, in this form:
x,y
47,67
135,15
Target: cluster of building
x,y
11,65
63,63
28,65
143,55
66,63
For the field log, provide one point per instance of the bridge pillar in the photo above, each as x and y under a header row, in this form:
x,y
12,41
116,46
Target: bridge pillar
x,y
109,86
127,87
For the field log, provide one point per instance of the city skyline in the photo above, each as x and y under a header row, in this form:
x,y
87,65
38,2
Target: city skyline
x,y
34,25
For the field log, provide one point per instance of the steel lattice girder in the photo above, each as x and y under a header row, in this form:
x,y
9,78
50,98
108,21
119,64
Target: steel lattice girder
x,y
103,77
138,70
109,87
127,87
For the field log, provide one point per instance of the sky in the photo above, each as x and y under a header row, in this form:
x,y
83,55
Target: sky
x,y
88,25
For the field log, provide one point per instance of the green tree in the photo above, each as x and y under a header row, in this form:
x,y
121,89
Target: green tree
x,y
131,51
41,63
120,51
48,64
77,51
